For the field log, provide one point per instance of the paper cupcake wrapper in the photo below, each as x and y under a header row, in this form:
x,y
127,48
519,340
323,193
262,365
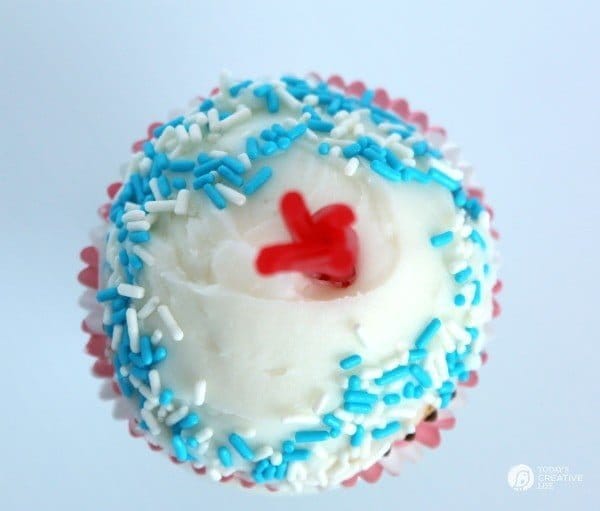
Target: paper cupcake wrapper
x,y
428,434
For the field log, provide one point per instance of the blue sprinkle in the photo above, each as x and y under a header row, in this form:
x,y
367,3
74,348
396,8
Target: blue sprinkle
x,y
477,238
269,472
283,142
354,382
203,158
372,153
447,387
139,372
351,362
419,391
473,332
224,456
272,102
384,170
420,148
413,174
256,181
160,353
459,300
460,197
477,295
269,148
105,295
234,164
409,390
206,105
252,148
439,240
392,161
428,333
357,439
268,135
214,195
324,148
237,88
160,163
279,130
192,442
179,183
421,376
392,375
262,90
391,398
441,178
179,448
297,131
118,317
319,125
464,376
207,166
361,408
119,303
360,396
123,257
165,397
281,471
367,97
135,262
311,436
148,149
416,355
240,445
229,175
389,429
486,269
352,150
199,182
125,386
335,432
189,421
164,186
139,236
181,165
122,236
297,455
145,350
445,400
462,276
332,421
287,446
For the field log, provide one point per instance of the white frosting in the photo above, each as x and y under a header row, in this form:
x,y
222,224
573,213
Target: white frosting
x,y
268,348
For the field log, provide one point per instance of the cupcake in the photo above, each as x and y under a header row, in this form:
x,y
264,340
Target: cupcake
x,y
293,278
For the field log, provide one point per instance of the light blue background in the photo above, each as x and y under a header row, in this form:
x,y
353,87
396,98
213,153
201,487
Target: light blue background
x,y
516,84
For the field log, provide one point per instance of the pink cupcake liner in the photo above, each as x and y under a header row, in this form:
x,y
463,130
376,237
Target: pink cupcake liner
x,y
427,434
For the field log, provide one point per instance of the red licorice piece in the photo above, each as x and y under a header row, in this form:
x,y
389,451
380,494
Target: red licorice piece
x,y
324,247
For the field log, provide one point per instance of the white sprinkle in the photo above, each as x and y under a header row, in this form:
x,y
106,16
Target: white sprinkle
x,y
149,307
393,138
117,335
135,381
214,474
301,419
401,413
131,206
199,118
133,215
351,166
451,172
457,332
217,153
138,225
169,321
263,452
341,115
145,164
162,413
176,416
204,435
243,157
165,137
182,202
151,218
131,291
336,151
150,421
155,190
358,129
402,150
106,316
203,448
160,206
247,432
144,255
124,372
200,392
237,198
321,404
311,99
151,404
145,392
182,134
370,373
311,135
345,416
154,379
133,329
213,118
276,458
195,133
243,113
